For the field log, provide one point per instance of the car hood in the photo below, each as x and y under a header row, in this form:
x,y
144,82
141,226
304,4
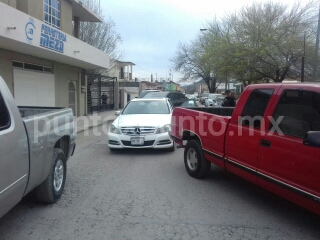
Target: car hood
x,y
156,120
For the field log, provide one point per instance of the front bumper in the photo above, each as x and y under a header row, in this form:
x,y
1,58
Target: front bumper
x,y
156,141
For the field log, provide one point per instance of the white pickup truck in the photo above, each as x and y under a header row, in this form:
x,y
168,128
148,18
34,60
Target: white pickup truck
x,y
35,144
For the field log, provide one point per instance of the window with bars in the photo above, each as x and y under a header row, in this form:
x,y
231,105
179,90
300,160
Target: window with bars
x,y
52,12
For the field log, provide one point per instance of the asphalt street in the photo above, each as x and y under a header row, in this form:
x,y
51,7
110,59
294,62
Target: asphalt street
x,y
147,194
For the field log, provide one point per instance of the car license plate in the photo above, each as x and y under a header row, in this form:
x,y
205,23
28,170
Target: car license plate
x,y
137,141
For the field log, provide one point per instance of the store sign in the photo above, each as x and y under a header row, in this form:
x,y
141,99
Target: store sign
x,y
52,39
30,30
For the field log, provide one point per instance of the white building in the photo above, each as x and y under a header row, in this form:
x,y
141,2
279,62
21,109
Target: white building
x,y
41,59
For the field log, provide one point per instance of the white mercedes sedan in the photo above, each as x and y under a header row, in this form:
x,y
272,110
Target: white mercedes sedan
x,y
143,123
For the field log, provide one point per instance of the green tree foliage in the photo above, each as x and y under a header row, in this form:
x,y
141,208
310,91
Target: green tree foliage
x,y
267,40
261,42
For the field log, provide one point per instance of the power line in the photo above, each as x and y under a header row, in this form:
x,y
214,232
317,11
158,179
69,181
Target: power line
x,y
143,69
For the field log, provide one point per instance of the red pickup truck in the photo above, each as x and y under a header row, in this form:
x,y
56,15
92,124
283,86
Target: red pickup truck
x,y
271,138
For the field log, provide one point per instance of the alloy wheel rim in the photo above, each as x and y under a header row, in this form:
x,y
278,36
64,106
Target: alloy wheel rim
x,y
192,159
58,175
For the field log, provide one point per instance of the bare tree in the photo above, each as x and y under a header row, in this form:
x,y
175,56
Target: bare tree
x,y
259,43
103,36
268,38
196,60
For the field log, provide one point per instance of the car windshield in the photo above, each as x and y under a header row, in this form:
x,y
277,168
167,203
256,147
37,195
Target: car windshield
x,y
146,107
156,95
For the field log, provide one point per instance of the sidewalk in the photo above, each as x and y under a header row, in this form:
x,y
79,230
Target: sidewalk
x,y
83,123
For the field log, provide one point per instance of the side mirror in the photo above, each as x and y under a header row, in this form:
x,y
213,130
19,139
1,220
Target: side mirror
x,y
117,113
312,139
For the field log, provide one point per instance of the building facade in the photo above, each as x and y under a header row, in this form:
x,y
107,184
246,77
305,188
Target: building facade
x,y
41,58
122,70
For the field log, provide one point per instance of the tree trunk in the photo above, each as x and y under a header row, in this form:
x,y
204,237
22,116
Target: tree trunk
x,y
277,79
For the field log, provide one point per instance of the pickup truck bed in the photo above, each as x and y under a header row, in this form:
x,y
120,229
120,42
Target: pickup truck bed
x,y
35,144
32,111
271,138
221,111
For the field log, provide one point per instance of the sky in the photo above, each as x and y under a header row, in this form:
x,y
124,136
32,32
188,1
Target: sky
x,y
152,29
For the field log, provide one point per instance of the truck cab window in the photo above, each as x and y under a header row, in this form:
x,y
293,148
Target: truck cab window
x,y
300,111
4,115
255,107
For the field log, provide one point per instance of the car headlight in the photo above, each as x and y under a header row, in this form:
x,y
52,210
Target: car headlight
x,y
165,128
114,130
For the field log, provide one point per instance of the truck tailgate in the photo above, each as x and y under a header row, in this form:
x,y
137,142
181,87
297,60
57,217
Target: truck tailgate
x,y
208,128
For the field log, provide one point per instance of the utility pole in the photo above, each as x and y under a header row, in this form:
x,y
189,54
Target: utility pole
x,y
315,60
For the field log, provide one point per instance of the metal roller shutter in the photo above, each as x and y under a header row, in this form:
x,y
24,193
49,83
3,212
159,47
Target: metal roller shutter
x,y
34,88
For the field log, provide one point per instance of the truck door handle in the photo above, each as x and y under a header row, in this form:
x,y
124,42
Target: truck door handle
x,y
265,143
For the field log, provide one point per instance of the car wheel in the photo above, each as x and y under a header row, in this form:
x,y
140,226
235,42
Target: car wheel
x,y
51,189
196,164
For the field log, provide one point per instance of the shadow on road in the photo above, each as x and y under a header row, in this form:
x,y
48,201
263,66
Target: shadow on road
x,y
143,151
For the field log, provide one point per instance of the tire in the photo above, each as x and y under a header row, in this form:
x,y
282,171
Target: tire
x,y
196,164
51,189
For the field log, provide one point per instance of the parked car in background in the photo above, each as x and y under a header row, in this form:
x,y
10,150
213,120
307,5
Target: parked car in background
x,y
190,96
34,150
189,103
143,123
144,92
175,98
214,100
203,97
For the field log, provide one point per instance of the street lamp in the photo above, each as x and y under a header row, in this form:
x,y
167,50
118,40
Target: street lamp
x,y
203,29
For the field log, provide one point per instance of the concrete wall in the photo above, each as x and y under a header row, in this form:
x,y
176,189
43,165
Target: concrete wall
x,y
63,74
66,17
22,5
12,3
123,98
35,9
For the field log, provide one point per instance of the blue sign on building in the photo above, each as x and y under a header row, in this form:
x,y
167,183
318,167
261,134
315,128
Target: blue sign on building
x,y
30,30
52,39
